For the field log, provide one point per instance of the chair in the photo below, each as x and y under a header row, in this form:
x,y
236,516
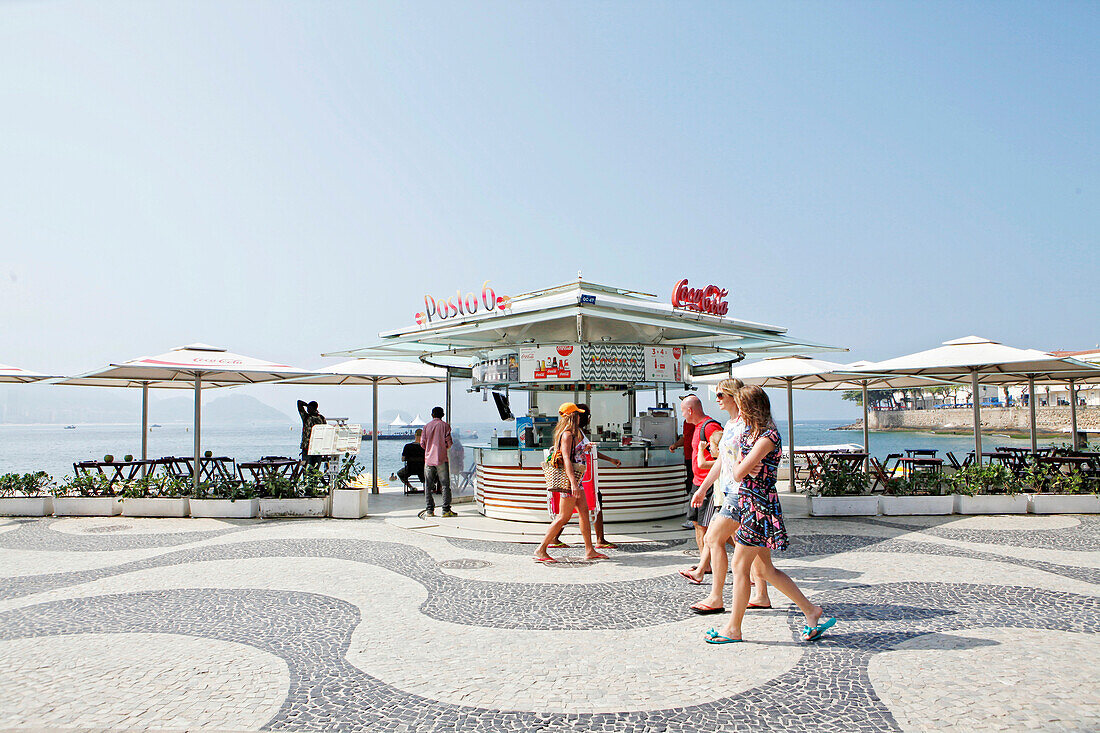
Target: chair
x,y
956,464
466,478
407,473
889,467
880,473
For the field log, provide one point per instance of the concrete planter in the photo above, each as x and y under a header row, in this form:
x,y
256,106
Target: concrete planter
x,y
917,505
843,506
86,506
990,504
1064,504
158,506
224,508
26,506
350,503
294,507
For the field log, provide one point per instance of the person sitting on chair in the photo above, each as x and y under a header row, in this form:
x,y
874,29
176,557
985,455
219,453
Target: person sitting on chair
x,y
413,456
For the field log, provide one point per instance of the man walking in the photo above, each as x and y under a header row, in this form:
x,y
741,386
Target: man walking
x,y
436,440
706,434
310,417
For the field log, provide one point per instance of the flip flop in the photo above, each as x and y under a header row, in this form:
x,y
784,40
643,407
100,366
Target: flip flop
x,y
719,639
813,633
756,605
607,546
545,560
690,579
707,610
559,545
599,556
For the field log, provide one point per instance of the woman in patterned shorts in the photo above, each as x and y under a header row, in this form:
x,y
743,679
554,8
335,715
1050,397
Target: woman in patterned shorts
x,y
760,520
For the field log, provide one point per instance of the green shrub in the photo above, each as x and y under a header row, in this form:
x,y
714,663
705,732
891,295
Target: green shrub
x,y
832,481
26,484
920,483
277,486
83,485
226,488
155,487
985,479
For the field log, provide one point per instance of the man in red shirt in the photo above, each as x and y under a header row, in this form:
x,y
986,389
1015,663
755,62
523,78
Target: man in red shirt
x,y
705,434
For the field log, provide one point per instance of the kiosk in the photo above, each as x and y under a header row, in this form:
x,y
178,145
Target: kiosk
x,y
585,343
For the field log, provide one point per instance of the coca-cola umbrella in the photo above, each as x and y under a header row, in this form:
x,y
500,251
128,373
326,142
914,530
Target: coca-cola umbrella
x,y
196,366
16,374
376,372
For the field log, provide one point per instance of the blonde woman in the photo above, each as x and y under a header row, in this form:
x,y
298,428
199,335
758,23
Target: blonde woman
x,y
571,445
725,490
759,519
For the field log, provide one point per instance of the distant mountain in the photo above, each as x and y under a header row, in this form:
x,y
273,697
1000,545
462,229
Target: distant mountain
x,y
60,405
230,409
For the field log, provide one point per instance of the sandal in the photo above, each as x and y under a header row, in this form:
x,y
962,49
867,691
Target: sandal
x,y
545,560
687,576
607,546
813,633
559,545
713,637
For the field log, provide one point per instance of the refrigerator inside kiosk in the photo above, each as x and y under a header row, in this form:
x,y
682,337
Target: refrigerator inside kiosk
x,y
657,426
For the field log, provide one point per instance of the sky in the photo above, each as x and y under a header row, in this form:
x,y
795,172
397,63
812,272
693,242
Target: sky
x,y
286,179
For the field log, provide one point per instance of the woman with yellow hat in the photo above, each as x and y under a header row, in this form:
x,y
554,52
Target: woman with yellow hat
x,y
568,452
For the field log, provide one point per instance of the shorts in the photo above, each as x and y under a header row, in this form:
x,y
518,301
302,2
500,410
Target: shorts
x,y
702,515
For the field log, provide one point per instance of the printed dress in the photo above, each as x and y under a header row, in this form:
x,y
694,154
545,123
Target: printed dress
x,y
758,503
584,453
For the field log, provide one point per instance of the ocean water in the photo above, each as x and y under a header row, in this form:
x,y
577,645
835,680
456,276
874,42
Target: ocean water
x,y
53,449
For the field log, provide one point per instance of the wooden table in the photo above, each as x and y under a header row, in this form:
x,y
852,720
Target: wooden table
x,y
913,465
921,452
114,471
265,468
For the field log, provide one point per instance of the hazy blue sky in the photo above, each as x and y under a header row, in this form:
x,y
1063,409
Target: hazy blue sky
x,y
286,179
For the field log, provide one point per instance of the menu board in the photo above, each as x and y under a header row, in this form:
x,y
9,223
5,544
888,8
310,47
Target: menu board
x,y
549,363
623,363
664,364
502,369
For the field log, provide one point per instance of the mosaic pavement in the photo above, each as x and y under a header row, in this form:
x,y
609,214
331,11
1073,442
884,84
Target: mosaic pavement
x,y
980,623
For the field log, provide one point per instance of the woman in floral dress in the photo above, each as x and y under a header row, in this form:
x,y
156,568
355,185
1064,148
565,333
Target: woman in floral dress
x,y
760,518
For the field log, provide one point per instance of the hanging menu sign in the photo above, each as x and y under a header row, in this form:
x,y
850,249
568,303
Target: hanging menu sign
x,y
502,369
549,363
664,364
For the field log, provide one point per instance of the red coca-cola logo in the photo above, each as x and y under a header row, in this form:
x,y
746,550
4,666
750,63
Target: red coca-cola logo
x,y
676,351
565,350
711,299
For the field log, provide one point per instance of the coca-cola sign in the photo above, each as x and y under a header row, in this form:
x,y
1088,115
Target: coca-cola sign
x,y
711,299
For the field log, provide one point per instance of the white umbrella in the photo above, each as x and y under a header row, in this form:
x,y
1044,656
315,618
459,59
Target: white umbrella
x,y
194,366
803,372
985,361
15,374
375,372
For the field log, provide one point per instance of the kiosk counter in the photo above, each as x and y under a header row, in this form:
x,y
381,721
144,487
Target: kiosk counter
x,y
649,484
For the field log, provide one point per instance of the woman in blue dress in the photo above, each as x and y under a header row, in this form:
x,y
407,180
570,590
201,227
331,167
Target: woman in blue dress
x,y
760,517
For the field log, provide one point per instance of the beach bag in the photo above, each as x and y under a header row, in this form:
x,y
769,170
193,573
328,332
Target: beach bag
x,y
557,478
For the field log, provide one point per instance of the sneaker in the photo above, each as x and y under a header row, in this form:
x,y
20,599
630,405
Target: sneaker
x,y
688,525
448,513
425,513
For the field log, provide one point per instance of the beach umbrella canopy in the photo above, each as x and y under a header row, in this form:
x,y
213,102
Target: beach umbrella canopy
x,y
15,374
417,421
986,362
398,423
195,366
377,372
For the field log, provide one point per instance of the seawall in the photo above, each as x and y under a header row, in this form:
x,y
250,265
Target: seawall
x,y
1016,419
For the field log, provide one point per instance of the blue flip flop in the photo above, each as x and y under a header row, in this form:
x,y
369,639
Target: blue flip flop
x,y
713,637
813,633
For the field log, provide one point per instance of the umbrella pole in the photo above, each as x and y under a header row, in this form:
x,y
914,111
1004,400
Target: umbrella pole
x,y
790,431
977,400
1031,410
374,437
1073,414
866,434
447,401
198,440
144,424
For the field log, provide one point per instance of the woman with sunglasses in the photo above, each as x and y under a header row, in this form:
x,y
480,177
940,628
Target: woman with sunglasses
x,y
758,517
725,490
